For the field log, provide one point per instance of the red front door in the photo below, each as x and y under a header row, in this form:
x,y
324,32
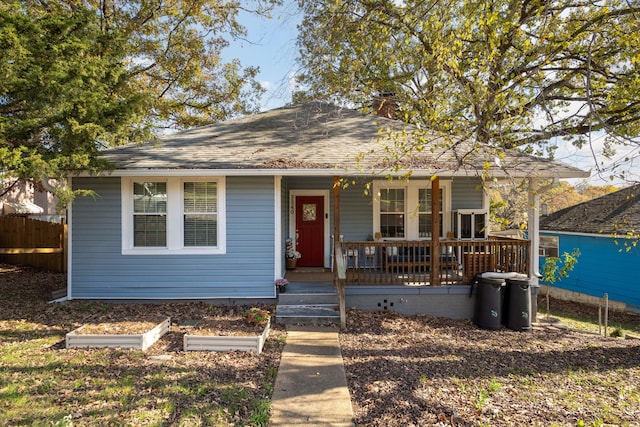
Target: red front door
x,y
310,230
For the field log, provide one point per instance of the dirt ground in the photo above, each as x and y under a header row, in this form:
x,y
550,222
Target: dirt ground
x,y
401,370
163,385
426,371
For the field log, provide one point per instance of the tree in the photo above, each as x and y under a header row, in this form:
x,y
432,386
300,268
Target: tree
x,y
76,77
509,200
504,73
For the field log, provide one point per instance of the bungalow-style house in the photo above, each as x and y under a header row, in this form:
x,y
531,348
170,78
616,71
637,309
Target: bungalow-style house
x,y
206,213
604,230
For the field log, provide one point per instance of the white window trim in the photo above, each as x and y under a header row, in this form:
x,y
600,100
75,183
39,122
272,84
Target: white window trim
x,y
175,210
543,248
411,206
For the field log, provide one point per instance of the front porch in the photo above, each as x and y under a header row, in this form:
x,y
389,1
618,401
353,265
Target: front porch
x,y
410,263
401,276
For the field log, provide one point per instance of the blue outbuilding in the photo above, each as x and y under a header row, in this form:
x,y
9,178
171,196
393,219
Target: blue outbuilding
x,y
606,231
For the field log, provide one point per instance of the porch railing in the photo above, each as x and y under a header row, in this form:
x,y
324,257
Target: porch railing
x,y
411,262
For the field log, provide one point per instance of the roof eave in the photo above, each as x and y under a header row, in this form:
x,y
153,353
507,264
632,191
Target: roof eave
x,y
497,173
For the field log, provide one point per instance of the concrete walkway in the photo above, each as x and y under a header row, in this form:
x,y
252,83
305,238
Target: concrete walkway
x,y
311,387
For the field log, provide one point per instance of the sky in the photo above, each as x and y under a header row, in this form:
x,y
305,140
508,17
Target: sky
x,y
271,45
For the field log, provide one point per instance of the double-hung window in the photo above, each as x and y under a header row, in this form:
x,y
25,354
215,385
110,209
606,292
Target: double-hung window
x,y
149,214
392,212
200,214
425,215
173,215
402,210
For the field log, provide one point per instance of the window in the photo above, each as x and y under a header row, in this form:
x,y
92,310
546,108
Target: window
x,y
470,224
173,215
425,214
200,214
149,214
549,246
403,211
392,212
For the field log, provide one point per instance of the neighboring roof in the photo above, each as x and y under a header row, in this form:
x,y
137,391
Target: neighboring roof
x,y
21,208
615,213
319,139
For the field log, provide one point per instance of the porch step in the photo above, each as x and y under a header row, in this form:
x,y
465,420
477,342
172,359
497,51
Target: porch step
x,y
293,298
307,314
308,303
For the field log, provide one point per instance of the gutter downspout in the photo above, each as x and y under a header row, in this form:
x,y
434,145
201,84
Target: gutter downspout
x,y
69,250
533,226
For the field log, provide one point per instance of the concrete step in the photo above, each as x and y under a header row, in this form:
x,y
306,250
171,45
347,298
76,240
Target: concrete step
x,y
307,298
307,314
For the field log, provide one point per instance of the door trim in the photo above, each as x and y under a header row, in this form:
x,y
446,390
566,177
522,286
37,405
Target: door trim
x,y
327,218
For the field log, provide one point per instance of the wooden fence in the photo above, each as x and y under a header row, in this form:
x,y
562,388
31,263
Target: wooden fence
x,y
39,244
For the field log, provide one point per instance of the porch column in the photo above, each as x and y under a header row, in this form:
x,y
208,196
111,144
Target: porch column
x,y
533,227
435,231
338,271
336,214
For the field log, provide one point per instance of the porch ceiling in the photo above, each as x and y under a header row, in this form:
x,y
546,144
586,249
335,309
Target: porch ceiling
x,y
321,139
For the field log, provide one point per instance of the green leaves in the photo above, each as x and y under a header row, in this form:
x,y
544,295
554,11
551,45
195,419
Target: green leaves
x,y
507,73
54,89
555,269
76,78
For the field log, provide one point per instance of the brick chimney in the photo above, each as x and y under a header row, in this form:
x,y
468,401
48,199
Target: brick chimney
x,y
384,105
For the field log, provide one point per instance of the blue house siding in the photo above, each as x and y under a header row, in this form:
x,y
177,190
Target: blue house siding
x,y
356,207
356,213
99,270
465,193
602,268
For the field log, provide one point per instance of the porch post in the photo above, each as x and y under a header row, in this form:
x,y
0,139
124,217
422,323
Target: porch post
x,y
336,209
338,275
533,227
435,231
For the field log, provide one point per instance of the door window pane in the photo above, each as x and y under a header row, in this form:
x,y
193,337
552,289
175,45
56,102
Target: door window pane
x,y
479,226
309,212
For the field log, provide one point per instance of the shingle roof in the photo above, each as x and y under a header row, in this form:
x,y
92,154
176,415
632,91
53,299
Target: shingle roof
x,y
321,138
614,213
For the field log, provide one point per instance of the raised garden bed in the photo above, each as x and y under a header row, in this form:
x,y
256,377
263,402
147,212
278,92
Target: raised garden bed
x,y
130,334
202,338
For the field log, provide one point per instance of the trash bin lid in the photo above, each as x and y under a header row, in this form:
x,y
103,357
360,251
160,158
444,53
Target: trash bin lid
x,y
499,275
489,280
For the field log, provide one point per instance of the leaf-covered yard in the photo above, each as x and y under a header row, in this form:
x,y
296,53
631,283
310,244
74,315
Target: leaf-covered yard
x,y
425,371
401,371
43,383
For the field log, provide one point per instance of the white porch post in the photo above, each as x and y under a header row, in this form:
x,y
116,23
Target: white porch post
x,y
435,231
533,226
277,238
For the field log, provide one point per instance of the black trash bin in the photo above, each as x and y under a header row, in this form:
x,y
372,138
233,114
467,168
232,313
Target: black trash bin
x,y
488,308
517,304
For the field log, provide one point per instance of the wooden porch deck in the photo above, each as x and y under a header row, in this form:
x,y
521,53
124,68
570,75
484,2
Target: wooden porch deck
x,y
411,262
